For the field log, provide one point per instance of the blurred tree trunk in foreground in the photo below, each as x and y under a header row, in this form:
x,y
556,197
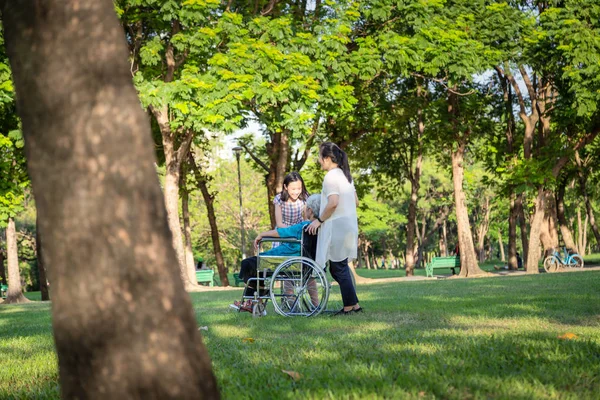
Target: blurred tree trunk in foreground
x,y
123,324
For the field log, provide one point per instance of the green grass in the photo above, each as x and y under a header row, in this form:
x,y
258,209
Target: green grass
x,y
455,339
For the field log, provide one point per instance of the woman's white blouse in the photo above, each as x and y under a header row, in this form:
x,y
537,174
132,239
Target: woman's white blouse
x,y
338,236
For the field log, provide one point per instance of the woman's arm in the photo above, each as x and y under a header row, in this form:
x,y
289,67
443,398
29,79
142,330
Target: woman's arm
x,y
356,198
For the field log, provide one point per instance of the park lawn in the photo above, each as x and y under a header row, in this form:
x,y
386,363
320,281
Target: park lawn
x,y
502,337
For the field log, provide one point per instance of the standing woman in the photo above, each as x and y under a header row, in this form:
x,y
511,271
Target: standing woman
x,y
338,238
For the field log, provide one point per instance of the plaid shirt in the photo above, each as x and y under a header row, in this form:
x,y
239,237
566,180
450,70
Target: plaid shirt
x,y
291,212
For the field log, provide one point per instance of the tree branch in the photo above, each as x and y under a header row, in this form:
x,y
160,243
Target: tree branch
x,y
443,83
254,157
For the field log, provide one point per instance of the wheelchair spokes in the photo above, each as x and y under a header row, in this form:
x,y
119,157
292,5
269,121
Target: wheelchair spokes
x,y
299,288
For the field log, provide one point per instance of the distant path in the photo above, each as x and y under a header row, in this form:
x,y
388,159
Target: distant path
x,y
370,281
501,273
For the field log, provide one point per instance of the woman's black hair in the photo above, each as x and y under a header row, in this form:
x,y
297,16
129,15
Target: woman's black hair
x,y
337,156
293,177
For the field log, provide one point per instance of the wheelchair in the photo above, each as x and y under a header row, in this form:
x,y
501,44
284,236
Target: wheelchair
x,y
295,285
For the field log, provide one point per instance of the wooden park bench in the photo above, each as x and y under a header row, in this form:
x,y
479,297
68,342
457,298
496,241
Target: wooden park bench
x,y
205,276
442,262
237,279
3,290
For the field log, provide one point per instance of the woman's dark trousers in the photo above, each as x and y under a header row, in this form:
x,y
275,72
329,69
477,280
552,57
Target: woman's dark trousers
x,y
340,271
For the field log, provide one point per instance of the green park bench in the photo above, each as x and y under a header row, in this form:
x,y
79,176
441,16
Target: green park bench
x,y
205,276
237,279
3,290
442,262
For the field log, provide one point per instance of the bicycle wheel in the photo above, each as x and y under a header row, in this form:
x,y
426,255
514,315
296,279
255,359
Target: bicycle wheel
x,y
299,288
576,261
552,264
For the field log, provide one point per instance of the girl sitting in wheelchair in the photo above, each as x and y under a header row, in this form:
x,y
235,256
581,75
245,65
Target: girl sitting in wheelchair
x,y
249,267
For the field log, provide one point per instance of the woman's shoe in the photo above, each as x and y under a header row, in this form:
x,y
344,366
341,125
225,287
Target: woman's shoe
x,y
358,310
341,312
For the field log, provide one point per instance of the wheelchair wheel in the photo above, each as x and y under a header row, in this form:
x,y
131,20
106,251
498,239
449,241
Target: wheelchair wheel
x,y
299,287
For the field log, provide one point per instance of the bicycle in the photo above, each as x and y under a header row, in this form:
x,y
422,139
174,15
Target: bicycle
x,y
556,262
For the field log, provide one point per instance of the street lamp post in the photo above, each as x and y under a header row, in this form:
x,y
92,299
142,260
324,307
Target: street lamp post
x,y
238,150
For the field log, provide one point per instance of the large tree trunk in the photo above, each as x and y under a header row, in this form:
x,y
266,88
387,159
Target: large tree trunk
x,y
279,153
468,259
444,241
512,232
124,327
40,262
359,256
415,184
366,254
588,205
444,250
584,244
523,221
579,232
551,219
562,220
411,227
187,229
2,270
209,200
14,295
533,252
501,247
482,230
173,163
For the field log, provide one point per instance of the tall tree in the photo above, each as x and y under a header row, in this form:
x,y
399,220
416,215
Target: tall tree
x,y
287,73
102,215
166,41
202,180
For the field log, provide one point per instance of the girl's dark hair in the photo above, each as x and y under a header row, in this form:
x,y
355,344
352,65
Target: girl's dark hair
x,y
293,177
337,156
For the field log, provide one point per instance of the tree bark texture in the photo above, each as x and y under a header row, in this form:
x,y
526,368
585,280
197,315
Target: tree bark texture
x,y
411,227
482,230
533,252
523,224
209,200
14,295
2,270
415,184
468,259
585,243
279,153
40,263
124,327
512,232
562,220
187,229
588,205
501,247
173,163
551,219
444,253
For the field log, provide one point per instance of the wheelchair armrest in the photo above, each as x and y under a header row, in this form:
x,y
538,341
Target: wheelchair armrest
x,y
278,239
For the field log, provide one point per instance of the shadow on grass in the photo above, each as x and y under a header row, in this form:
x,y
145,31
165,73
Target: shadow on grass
x,y
455,339
458,339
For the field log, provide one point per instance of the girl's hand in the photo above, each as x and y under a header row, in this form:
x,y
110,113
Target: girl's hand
x,y
258,238
313,227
